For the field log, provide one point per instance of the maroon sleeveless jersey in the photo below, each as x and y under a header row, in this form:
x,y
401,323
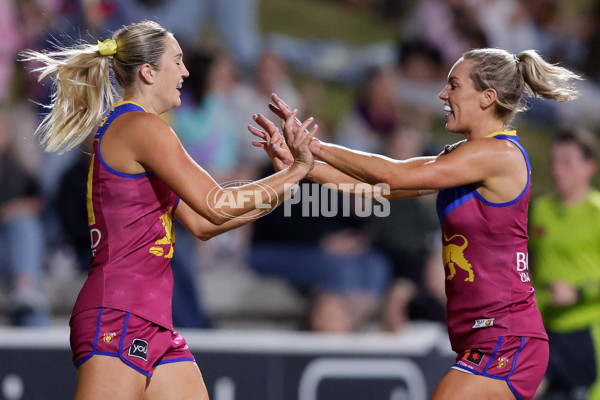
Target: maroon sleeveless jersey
x,y
486,264
131,227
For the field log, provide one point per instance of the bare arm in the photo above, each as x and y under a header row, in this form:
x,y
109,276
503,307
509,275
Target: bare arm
x,y
144,142
203,229
275,147
496,167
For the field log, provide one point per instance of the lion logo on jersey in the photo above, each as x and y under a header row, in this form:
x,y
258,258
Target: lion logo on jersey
x,y
453,256
169,239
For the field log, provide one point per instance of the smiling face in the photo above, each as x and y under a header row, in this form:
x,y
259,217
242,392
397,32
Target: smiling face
x,y
461,101
169,76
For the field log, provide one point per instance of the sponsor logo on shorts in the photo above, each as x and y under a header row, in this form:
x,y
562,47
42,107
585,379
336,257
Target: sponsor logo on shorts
x,y
483,323
473,356
139,349
502,361
108,337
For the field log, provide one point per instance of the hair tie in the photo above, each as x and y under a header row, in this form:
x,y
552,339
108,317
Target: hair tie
x,y
107,47
518,62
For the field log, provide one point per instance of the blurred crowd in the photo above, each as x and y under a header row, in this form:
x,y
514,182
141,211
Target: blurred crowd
x,y
356,272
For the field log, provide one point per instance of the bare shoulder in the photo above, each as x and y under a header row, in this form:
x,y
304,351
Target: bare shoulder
x,y
134,123
488,155
502,149
141,130
485,147
135,139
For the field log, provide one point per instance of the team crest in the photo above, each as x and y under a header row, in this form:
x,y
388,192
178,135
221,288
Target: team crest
x,y
108,337
502,362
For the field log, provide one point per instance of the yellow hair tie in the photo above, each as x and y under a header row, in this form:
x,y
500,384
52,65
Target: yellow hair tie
x,y
108,47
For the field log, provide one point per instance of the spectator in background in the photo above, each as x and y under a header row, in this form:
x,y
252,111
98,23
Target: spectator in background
x,y
9,45
420,71
328,258
21,238
235,20
513,24
374,116
251,94
406,236
451,25
71,206
211,137
590,32
565,244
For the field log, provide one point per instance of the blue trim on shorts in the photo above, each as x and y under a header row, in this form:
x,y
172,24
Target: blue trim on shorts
x,y
513,369
174,360
98,320
121,345
126,361
104,353
492,358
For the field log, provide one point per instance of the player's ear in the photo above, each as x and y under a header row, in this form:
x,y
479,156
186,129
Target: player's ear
x,y
147,73
488,97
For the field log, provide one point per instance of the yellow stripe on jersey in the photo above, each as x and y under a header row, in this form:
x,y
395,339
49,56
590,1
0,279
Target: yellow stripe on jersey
x,y
129,101
90,205
508,133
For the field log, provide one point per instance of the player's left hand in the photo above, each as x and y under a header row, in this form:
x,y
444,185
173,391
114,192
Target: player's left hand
x,y
271,142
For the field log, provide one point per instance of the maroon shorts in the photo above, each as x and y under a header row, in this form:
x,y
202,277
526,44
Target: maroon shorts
x,y
519,360
141,344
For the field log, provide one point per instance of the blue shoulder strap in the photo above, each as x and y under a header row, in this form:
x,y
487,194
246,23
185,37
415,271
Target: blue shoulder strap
x,y
120,108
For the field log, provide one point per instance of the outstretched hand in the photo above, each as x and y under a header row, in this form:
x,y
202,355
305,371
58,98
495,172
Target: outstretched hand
x,y
272,142
285,112
280,108
281,154
298,138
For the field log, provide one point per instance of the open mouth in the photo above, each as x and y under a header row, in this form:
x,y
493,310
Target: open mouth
x,y
448,109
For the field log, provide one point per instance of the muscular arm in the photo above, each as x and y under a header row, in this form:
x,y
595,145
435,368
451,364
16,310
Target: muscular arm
x,y
324,173
494,166
203,229
143,142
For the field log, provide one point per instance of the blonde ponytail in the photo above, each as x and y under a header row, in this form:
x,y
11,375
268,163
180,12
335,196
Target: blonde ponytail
x,y
82,93
83,90
546,80
511,75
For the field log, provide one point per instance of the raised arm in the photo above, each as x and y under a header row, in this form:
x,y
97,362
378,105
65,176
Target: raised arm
x,y
137,137
495,167
275,147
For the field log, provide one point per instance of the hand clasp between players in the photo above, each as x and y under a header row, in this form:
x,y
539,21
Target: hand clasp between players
x,y
294,145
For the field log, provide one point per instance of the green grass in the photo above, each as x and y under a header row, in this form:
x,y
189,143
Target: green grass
x,y
323,19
